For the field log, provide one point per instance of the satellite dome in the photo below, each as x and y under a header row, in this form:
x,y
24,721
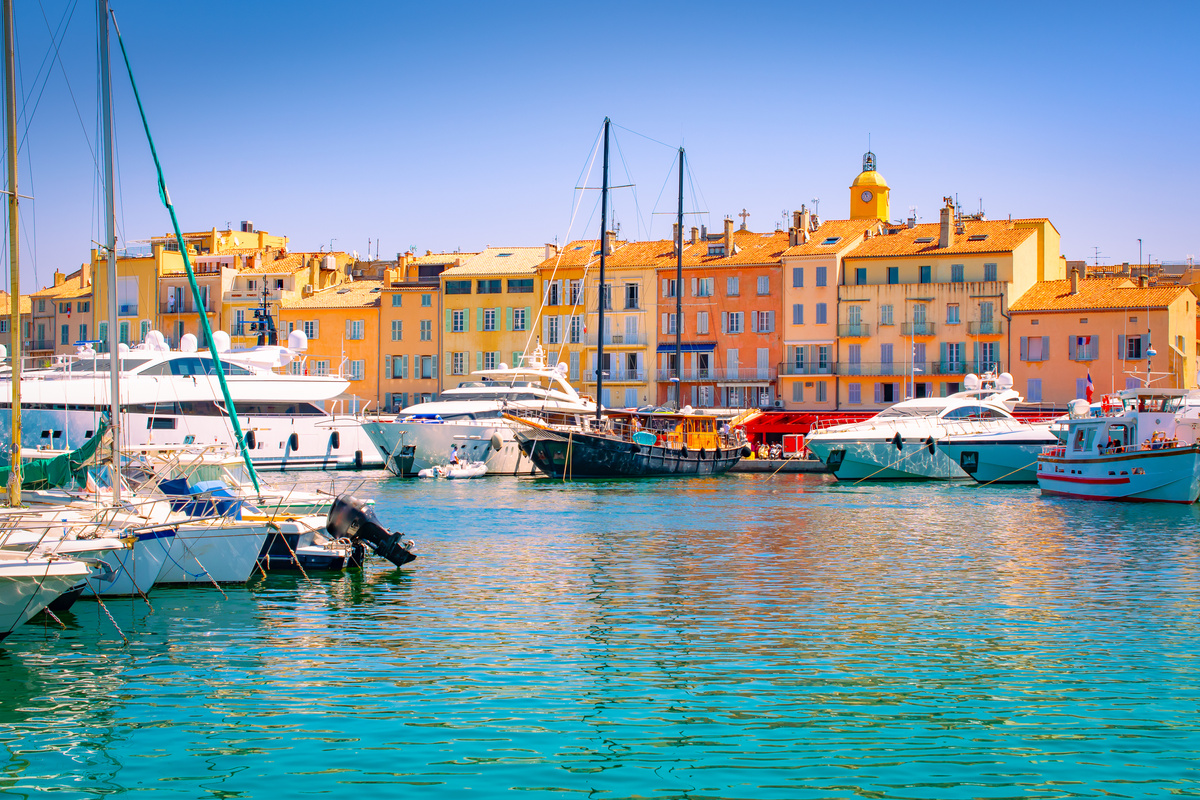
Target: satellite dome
x,y
187,343
971,381
221,341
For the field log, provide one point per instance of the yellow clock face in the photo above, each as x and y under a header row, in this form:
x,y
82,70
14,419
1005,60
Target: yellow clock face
x,y
866,196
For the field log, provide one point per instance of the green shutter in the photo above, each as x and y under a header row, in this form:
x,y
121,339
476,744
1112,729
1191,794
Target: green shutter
x,y
508,318
478,359
528,317
449,319
448,362
516,358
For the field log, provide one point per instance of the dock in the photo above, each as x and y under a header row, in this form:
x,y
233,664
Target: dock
x,y
773,465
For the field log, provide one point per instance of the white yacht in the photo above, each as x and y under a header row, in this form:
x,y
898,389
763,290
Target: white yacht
x,y
997,450
173,398
901,442
470,417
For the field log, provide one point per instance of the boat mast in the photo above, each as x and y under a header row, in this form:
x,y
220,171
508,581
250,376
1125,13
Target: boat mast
x,y
110,248
14,297
603,253
679,290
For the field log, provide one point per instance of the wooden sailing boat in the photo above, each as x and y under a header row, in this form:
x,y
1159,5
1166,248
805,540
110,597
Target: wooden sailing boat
x,y
628,443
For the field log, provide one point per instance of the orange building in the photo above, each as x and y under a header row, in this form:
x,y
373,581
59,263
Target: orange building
x,y
62,313
344,336
1064,330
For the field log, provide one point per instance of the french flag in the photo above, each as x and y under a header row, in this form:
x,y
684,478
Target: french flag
x,y
1091,387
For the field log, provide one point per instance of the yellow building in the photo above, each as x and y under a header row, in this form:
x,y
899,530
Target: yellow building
x,y
62,313
630,324
137,292
277,276
869,193
566,301
344,336
1065,330
489,303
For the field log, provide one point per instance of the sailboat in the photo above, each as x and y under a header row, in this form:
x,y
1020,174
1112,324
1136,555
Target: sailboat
x,y
629,443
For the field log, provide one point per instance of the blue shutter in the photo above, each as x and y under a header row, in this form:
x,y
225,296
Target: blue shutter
x,y
1024,348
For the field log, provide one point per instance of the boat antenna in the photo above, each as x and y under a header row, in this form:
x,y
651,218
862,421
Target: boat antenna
x,y
679,289
110,250
205,328
14,297
603,254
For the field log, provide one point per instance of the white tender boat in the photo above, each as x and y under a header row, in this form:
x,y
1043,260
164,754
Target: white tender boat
x,y
173,398
1143,447
470,417
469,469
901,442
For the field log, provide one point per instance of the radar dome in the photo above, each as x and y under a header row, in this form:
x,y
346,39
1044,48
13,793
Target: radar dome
x,y
503,365
1078,408
3,351
971,381
297,340
1005,381
122,348
187,343
561,368
221,341
686,410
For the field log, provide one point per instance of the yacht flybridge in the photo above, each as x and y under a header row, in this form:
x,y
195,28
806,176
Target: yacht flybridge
x,y
470,419
173,397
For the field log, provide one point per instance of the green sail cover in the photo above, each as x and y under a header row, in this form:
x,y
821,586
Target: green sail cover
x,y
60,471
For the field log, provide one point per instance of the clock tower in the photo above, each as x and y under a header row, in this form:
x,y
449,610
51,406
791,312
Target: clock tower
x,y
869,192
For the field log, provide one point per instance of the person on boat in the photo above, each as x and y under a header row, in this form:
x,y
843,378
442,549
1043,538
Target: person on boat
x,y
453,455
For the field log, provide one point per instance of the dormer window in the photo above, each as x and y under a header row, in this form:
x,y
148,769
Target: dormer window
x,y
716,249
832,240
924,240
977,237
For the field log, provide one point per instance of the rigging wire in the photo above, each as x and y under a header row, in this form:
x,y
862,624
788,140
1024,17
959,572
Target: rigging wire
x,y
633,187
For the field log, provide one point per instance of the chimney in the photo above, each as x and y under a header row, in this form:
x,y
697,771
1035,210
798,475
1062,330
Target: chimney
x,y
674,233
728,236
704,233
85,274
1143,281
1075,281
1125,268
59,278
947,233
551,251
806,224
1083,271
695,234
609,238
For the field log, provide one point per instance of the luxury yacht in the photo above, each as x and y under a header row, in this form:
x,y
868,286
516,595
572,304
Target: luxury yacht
x,y
470,416
901,442
173,398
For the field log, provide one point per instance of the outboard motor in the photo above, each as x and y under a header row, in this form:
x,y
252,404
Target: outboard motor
x,y
353,519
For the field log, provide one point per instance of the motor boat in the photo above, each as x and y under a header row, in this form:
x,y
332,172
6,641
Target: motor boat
x,y
173,398
901,442
996,450
1144,447
466,469
31,581
470,417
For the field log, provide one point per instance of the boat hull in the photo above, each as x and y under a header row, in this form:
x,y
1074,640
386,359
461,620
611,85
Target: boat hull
x,y
1163,476
431,442
26,588
995,461
881,460
582,455
135,570
201,553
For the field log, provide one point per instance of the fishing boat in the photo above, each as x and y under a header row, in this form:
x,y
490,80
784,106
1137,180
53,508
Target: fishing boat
x,y
1144,447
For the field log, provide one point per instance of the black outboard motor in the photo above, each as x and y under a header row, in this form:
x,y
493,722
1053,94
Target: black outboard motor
x,y
351,518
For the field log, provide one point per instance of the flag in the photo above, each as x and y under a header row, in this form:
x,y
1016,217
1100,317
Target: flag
x,y
1091,387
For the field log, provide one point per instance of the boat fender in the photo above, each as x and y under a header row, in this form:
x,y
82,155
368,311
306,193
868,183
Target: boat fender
x,y
683,452
897,441
931,446
635,448
746,451
701,453
496,443
294,442
335,439
250,440
358,459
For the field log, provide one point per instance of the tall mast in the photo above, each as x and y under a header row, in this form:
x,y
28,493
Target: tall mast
x,y
14,298
603,248
110,247
679,291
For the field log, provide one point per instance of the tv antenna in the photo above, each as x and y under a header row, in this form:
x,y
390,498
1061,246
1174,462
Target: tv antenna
x,y
816,201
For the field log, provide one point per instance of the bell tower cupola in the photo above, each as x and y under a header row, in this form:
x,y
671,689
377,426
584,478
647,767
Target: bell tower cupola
x,y
869,192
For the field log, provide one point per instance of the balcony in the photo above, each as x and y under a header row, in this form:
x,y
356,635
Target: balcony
x,y
666,375
963,367
744,374
35,345
127,310
618,376
618,339
806,369
187,307
854,331
878,368
917,329
985,328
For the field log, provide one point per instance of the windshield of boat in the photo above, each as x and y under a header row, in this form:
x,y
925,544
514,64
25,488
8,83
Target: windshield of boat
x,y
901,410
476,394
101,364
975,412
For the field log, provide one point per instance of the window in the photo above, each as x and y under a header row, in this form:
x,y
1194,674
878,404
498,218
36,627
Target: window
x,y
321,368
553,329
821,315
575,292
397,330
66,335
952,314
458,287
716,249
1082,348
489,319
764,321
488,287
860,276
520,319
279,283
458,363
854,393
887,315
458,321
893,275
3,326
124,332
355,329
428,367
821,276
886,352
426,330
832,240
86,306
797,277
702,287
822,391
554,293
631,295
127,297
1132,347
41,306
986,309
251,285
926,273
520,285
797,313
669,324
491,360
426,300
670,287
145,330
358,370
575,334
956,273
399,366
764,285
823,358
954,358
731,286
733,321
606,297
1034,392
989,272
83,333
798,392
987,357
702,322
397,300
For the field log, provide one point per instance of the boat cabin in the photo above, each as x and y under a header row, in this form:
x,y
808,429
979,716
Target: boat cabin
x,y
1132,420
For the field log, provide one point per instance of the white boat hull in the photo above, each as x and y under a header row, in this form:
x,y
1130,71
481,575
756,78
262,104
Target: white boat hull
x,y
26,587
880,460
1165,476
202,553
132,571
433,440
997,458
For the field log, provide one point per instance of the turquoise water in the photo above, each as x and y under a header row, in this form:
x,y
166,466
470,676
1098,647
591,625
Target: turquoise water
x,y
739,637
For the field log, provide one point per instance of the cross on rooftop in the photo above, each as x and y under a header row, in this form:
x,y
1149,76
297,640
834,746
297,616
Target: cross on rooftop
x,y
743,215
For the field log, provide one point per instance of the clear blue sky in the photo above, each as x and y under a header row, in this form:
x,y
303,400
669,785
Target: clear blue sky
x,y
448,125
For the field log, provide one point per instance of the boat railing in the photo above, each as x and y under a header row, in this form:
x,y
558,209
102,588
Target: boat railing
x,y
1060,451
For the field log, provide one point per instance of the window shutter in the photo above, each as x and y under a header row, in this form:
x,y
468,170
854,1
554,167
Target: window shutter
x,y
1045,348
349,329
666,288
1072,350
528,316
944,354
449,320
666,323
724,322
879,393
387,400
564,333
1024,349
479,319
508,318
404,368
433,366
449,361
316,329
545,329
1121,348
975,358
478,359
693,287
387,366
754,322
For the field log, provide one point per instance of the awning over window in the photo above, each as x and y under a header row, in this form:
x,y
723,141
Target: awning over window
x,y
688,347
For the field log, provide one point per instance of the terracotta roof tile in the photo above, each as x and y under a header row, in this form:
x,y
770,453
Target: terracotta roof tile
x,y
354,294
499,261
71,287
1001,237
1095,294
26,304
442,258
846,231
